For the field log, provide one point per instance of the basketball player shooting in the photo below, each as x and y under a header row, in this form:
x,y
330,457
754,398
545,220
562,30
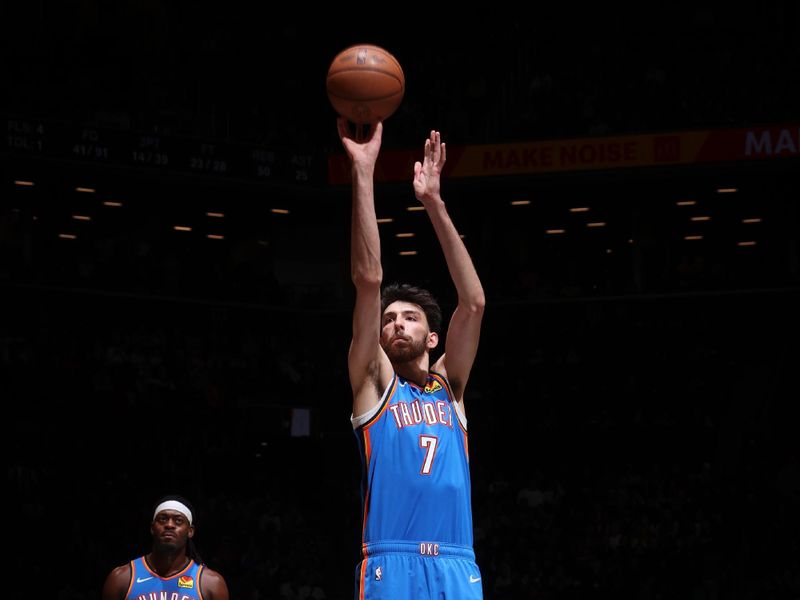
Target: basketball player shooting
x,y
408,415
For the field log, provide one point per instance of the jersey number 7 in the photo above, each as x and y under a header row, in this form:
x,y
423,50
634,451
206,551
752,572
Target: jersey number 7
x,y
430,443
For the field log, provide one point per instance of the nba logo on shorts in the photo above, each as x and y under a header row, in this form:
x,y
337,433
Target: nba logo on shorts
x,y
378,574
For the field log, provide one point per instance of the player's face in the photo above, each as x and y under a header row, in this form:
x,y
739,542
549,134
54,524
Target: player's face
x,y
171,530
404,332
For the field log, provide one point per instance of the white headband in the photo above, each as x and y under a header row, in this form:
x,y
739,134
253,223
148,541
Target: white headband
x,y
174,505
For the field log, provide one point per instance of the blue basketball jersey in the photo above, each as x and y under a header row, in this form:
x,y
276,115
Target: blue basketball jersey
x,y
415,478
417,512
148,585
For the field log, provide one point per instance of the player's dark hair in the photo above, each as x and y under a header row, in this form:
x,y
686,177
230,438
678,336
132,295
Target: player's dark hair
x,y
191,548
416,295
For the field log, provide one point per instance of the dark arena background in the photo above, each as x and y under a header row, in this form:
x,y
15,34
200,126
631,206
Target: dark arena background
x,y
174,275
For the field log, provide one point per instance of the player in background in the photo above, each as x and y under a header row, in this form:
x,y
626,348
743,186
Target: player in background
x,y
173,568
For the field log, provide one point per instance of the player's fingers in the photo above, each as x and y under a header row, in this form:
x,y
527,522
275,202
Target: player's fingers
x,y
341,124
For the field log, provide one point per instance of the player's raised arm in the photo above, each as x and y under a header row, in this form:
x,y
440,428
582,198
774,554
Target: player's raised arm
x,y
463,332
368,366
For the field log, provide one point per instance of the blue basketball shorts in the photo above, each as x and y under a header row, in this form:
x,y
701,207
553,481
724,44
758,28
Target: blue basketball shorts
x,y
417,571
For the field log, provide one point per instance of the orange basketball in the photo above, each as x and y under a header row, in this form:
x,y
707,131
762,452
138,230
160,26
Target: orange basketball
x,y
365,84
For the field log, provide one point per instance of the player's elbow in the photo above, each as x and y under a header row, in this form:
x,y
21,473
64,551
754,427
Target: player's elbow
x,y
475,304
367,278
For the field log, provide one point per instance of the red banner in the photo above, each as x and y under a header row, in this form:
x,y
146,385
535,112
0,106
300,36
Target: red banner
x,y
492,160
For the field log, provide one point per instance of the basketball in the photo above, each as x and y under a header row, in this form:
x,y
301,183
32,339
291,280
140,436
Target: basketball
x,y
365,84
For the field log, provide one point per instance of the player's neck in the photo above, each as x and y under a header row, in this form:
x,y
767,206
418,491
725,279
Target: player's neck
x,y
415,371
167,564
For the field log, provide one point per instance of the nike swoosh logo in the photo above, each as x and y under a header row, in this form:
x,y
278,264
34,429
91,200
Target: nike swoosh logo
x,y
474,579
142,579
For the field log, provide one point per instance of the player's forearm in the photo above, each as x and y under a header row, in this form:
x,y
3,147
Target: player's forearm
x,y
462,271
365,244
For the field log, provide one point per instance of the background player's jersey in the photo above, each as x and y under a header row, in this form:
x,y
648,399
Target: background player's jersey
x,y
147,585
415,480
